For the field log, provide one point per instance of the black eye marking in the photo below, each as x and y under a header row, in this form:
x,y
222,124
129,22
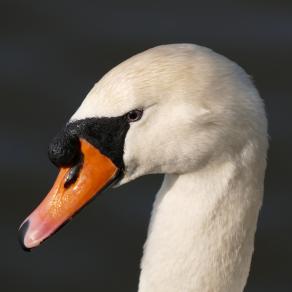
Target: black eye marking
x,y
134,115
105,133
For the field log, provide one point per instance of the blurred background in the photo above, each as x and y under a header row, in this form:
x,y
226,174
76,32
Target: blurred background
x,y
51,54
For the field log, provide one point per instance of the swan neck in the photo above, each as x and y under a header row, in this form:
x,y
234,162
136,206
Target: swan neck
x,y
201,234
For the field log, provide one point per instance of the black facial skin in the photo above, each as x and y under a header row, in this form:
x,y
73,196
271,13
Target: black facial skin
x,y
106,134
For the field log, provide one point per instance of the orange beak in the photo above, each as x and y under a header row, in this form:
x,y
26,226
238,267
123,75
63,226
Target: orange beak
x,y
72,190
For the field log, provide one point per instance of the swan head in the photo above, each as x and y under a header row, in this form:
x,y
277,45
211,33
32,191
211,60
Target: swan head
x,y
171,109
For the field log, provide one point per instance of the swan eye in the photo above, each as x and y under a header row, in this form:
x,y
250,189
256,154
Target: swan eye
x,y
134,115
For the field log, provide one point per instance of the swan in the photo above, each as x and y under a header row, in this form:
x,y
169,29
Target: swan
x,y
193,115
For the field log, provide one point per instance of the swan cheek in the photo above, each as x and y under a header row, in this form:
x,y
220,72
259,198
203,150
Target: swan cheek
x,y
72,190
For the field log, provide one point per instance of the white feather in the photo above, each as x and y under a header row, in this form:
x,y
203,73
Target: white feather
x,y
204,126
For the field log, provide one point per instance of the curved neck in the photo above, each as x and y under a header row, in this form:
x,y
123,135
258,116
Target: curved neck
x,y
201,233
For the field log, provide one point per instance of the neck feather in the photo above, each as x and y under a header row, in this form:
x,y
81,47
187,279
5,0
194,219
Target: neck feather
x,y
201,233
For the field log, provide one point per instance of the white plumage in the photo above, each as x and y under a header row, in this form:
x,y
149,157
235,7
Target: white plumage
x,y
204,126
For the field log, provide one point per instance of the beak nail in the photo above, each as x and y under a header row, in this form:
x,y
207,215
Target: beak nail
x,y
21,234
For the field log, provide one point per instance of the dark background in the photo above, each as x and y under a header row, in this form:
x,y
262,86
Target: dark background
x,y
51,54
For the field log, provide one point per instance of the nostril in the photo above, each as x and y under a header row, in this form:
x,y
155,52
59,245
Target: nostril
x,y
64,150
73,174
